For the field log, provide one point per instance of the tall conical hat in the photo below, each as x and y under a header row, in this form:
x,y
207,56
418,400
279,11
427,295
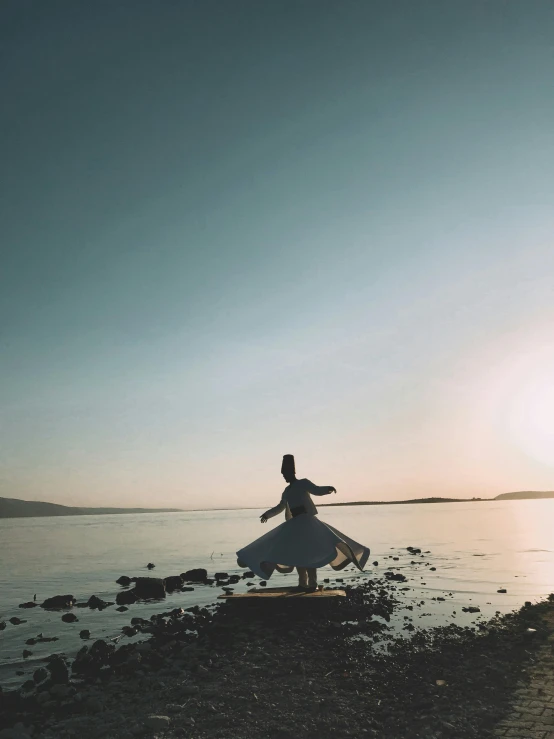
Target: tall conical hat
x,y
287,467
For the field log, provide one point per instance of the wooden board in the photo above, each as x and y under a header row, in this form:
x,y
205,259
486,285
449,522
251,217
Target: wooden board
x,y
272,593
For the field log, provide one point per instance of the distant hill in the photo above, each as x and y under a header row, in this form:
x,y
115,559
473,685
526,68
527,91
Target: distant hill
x,y
526,495
523,495
13,508
403,502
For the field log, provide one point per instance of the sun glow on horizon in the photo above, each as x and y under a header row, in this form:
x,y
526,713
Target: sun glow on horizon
x,y
521,398
532,417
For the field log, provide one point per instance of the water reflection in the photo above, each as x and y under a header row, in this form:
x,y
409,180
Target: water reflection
x,y
477,548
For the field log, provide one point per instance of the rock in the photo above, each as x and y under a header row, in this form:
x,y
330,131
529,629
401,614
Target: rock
x,y
414,550
149,588
84,634
124,580
398,576
138,621
93,705
59,602
22,728
197,575
247,574
157,723
376,563
59,671
174,582
12,734
61,691
26,653
502,590
19,731
122,609
28,686
126,597
186,589
263,583
16,621
432,569
234,579
189,690
43,697
221,575
150,565
69,618
2,625
29,604
130,630
95,602
471,609
40,675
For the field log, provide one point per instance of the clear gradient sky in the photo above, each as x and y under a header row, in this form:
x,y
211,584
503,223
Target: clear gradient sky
x,y
237,229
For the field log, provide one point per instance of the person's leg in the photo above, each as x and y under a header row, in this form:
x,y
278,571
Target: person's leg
x,y
302,577
312,577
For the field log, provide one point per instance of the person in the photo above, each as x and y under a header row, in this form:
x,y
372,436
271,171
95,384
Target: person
x,y
302,541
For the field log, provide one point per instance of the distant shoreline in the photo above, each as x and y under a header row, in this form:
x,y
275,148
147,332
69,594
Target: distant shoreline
x,y
407,502
521,495
14,508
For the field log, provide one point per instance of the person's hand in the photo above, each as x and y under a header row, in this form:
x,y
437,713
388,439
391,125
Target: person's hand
x,y
263,518
332,489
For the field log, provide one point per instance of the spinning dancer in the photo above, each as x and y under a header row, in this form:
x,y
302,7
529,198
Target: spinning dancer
x,y
302,541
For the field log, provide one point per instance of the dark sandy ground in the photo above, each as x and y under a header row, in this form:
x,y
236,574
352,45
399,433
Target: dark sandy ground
x,y
302,668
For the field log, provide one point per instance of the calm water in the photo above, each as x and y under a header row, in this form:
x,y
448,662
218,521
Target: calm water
x,y
476,548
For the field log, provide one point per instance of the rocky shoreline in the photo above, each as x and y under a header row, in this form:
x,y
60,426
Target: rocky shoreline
x,y
294,669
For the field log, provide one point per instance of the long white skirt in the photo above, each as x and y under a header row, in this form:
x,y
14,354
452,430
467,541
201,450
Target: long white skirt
x,y
303,541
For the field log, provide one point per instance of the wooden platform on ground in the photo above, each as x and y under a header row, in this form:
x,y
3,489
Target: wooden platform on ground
x,y
281,593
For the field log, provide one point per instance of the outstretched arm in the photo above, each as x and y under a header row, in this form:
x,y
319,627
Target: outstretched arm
x,y
274,511
319,490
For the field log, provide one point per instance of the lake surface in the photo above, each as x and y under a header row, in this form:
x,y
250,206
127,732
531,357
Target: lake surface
x,y
476,547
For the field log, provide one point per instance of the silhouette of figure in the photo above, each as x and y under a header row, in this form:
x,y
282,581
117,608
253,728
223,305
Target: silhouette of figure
x,y
302,541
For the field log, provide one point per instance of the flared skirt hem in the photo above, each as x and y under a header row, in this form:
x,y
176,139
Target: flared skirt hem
x,y
304,541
